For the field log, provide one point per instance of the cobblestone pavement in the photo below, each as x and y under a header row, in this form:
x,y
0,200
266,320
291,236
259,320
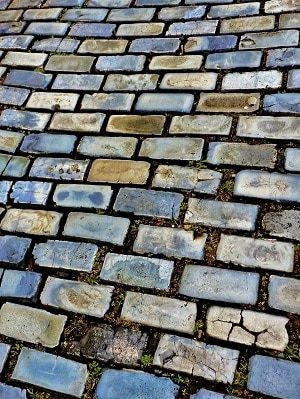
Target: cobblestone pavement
x,y
149,199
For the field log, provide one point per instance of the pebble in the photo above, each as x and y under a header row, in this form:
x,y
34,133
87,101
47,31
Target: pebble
x,y
284,294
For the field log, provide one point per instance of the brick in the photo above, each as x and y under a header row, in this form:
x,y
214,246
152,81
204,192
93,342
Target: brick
x,y
131,14
24,119
78,297
63,3
234,60
281,38
228,102
76,82
289,20
164,240
159,312
283,224
7,28
273,186
19,284
15,42
192,28
108,3
13,249
276,6
130,384
148,203
260,155
102,46
136,124
201,125
92,29
32,366
183,12
137,271
256,253
189,81
293,79
5,187
172,148
67,255
123,147
4,351
45,143
166,102
69,63
47,28
174,62
96,227
31,79
121,63
156,2
292,159
108,101
228,215
276,372
284,294
8,391
252,80
210,43
59,168
85,14
283,57
262,23
31,192
48,44
247,327
30,60
216,284
219,365
154,45
53,101
79,122
206,394
282,102
13,95
82,196
42,14
138,82
233,10
14,166
31,325
10,15
203,181
140,29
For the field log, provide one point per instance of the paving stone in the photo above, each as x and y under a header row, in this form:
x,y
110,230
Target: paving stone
x,y
140,29
59,168
265,185
13,249
67,255
78,297
210,43
137,271
26,120
183,12
283,57
256,253
276,373
13,95
236,25
269,127
252,80
228,215
189,81
136,124
161,312
283,224
4,350
48,44
13,166
201,125
10,392
138,82
10,15
7,28
119,171
31,325
293,79
247,327
69,63
281,38
150,203
284,294
29,221
82,196
166,102
67,376
42,14
121,63
234,60
192,28
53,101
131,384
289,20
183,178
154,45
211,362
282,102
108,3
123,147
24,3
76,82
172,148
15,42
216,284
96,227
206,394
21,59
292,159
156,2
30,192
5,186
31,79
85,14
47,28
92,29
108,101
228,102
276,6
120,345
4,4
79,122
103,46
131,14
64,3
46,143
234,10
259,155
172,242
20,284
175,62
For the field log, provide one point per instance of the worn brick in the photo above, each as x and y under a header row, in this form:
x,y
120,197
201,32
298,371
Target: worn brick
x,y
85,14
13,249
201,125
189,81
136,124
59,168
234,60
174,62
131,14
276,6
154,45
30,60
210,43
30,79
182,12
19,284
92,29
252,80
294,79
192,28
281,38
15,42
53,101
284,223
167,102
138,82
78,122
47,28
140,29
76,82
108,101
123,147
103,46
121,63
172,148
69,63
236,25
284,294
282,103
289,20
227,102
42,14
292,159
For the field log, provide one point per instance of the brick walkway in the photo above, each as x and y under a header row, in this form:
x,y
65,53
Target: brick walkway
x,y
149,199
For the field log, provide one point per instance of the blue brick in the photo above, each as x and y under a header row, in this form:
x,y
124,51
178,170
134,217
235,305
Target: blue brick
x,y
76,82
50,45
13,96
121,63
16,42
4,190
7,28
236,10
155,45
68,46
125,384
13,249
30,192
234,59
4,349
9,392
34,80
58,168
205,394
24,119
85,14
283,57
19,284
294,79
46,143
13,166
66,376
47,28
282,102
92,30
64,3
210,43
